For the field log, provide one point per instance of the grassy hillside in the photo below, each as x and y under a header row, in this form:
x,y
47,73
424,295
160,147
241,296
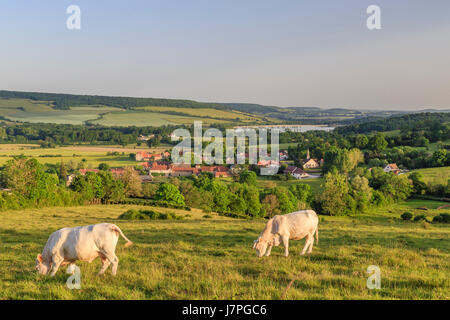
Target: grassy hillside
x,y
94,155
25,110
254,113
199,258
205,112
435,175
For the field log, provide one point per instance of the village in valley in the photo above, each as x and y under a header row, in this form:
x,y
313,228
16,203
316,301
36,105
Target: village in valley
x,y
160,164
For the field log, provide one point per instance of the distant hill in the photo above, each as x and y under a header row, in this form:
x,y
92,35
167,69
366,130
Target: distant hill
x,y
136,108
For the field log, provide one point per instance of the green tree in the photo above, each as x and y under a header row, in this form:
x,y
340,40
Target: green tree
x,y
335,195
439,158
251,196
248,177
419,186
378,143
361,141
303,193
103,166
132,182
170,193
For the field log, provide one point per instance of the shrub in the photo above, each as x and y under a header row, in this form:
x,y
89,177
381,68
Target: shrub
x,y
407,216
425,224
420,217
442,218
133,214
207,216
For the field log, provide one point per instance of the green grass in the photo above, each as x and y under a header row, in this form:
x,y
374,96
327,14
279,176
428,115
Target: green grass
x,y
265,182
199,258
23,110
435,175
206,112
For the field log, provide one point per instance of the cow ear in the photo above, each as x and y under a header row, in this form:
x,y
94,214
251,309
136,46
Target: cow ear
x,y
254,243
39,258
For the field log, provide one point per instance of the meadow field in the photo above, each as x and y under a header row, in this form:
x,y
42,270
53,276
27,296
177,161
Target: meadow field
x,y
25,110
205,112
94,155
145,118
212,258
435,175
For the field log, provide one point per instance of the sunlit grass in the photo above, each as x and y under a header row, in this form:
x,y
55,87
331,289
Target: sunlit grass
x,y
199,258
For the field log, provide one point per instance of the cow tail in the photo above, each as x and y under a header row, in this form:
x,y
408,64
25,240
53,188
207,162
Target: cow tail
x,y
317,235
117,229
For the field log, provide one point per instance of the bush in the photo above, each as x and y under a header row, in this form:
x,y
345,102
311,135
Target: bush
x,y
407,216
207,216
133,214
442,218
420,217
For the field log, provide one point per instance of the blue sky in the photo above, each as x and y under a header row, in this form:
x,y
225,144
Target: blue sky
x,y
285,53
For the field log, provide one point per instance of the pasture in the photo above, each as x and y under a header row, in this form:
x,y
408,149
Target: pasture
x,y
94,155
206,112
24,110
211,258
435,175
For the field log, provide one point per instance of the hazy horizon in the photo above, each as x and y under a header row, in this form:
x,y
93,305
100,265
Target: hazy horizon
x,y
290,54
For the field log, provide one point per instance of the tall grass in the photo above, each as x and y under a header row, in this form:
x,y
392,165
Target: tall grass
x,y
198,258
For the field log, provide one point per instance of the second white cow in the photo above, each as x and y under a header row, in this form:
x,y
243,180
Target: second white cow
x,y
292,226
67,245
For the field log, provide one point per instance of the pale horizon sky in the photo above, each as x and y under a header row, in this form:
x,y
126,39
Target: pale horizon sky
x,y
292,53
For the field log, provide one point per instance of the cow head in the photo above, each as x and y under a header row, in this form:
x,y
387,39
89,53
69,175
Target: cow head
x,y
261,247
42,267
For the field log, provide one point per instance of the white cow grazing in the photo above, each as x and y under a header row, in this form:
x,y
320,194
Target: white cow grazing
x,y
86,243
294,226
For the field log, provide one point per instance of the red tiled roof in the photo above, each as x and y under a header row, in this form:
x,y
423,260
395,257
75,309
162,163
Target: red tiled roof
x,y
298,171
117,170
393,166
290,169
83,171
157,166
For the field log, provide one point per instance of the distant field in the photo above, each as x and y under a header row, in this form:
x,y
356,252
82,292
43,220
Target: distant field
x,y
30,111
199,258
435,175
205,112
94,155
315,184
24,110
142,118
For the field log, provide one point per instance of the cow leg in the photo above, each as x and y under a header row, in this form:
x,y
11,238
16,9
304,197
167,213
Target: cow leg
x,y
115,265
112,258
71,268
285,240
307,244
105,265
56,262
269,249
311,244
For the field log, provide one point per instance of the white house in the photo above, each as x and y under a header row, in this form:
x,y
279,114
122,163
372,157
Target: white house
x,y
392,167
299,174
